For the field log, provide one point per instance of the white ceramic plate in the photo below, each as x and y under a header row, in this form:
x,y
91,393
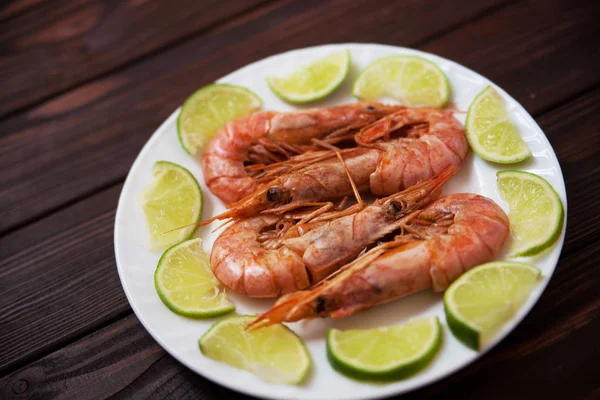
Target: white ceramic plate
x,y
179,335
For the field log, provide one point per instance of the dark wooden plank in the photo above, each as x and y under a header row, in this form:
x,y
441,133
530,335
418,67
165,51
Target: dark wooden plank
x,y
541,52
13,8
64,263
63,43
94,357
570,131
137,347
57,273
53,154
61,269
139,98
552,354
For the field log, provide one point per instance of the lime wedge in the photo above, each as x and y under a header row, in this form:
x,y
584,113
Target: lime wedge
x,y
482,299
536,212
313,81
186,285
274,353
173,200
490,131
209,109
411,80
384,354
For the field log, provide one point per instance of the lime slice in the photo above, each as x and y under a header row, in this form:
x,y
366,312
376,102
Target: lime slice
x,y
482,299
274,353
209,109
536,212
313,81
173,200
411,80
186,285
490,131
384,354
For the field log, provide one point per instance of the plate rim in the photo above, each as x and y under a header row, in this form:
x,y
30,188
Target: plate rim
x,y
385,391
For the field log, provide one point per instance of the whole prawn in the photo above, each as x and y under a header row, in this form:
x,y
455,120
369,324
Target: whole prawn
x,y
271,136
442,241
269,255
429,139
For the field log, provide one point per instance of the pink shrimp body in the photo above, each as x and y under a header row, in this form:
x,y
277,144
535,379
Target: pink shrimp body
x,y
419,155
224,157
448,237
248,264
241,262
326,180
383,166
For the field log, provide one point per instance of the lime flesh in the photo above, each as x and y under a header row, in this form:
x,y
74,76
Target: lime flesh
x,y
209,109
186,285
536,212
484,298
411,80
491,133
314,81
173,200
384,354
273,353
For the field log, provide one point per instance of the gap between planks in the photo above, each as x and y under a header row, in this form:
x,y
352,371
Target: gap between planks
x,y
538,340
68,339
263,7
207,30
16,9
217,27
482,14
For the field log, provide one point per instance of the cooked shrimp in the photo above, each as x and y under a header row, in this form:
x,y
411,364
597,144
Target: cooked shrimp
x,y
263,257
418,155
268,136
445,239
429,139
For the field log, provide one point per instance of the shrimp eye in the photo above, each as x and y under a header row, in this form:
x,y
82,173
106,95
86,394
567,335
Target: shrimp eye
x,y
370,108
320,306
396,208
272,194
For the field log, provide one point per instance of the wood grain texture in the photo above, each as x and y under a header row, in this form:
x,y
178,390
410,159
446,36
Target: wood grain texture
x,y
65,159
50,293
570,129
63,43
10,9
541,52
67,147
547,356
83,109
59,279
89,142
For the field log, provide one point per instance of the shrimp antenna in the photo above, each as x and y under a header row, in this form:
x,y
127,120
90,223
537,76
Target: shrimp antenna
x,y
298,299
229,215
352,183
341,158
201,224
180,227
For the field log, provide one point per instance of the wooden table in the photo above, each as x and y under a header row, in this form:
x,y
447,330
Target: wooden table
x,y
85,83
